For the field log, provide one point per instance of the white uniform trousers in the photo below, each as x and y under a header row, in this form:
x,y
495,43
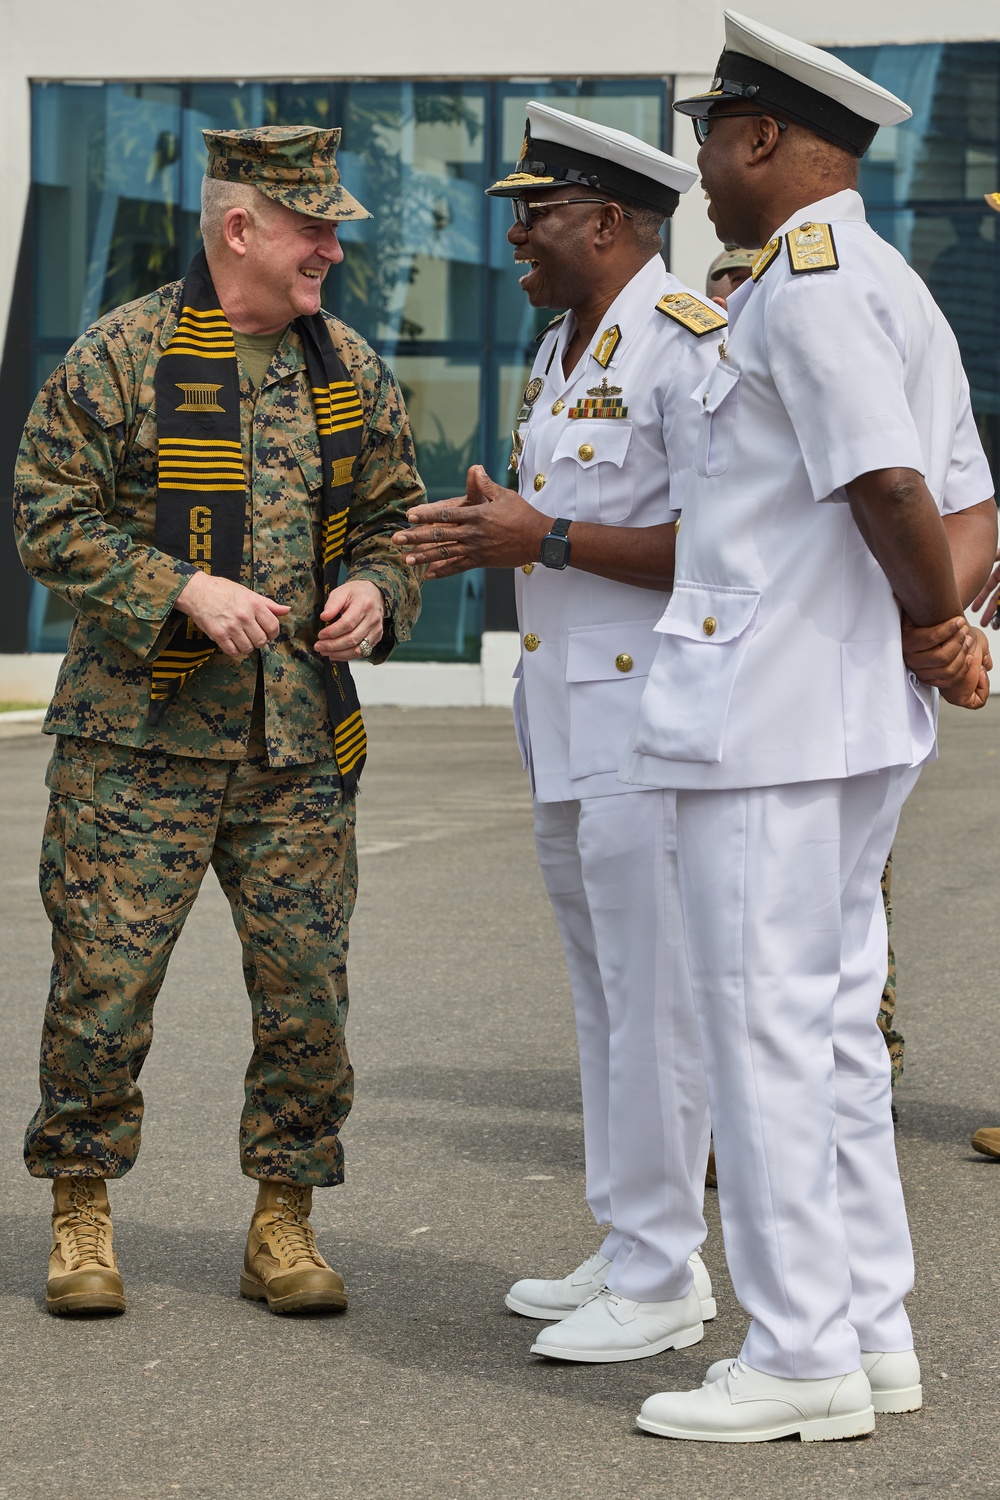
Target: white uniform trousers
x,y
609,865
787,949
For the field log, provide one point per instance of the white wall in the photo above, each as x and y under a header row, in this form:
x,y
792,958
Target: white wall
x,y
410,39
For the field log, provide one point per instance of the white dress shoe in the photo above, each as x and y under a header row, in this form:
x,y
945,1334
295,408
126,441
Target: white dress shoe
x,y
610,1328
894,1379
553,1299
548,1299
703,1286
747,1406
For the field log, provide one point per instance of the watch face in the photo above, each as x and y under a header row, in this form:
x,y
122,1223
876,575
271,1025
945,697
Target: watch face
x,y
555,552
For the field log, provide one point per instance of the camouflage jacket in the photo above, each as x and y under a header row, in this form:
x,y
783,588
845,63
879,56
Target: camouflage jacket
x,y
84,510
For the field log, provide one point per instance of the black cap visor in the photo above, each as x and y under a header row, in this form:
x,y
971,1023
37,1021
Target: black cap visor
x,y
546,165
757,83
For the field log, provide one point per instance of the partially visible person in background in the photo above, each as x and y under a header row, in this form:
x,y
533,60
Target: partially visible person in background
x,y
987,1138
728,271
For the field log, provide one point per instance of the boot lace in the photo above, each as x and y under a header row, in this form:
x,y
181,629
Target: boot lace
x,y
292,1232
84,1229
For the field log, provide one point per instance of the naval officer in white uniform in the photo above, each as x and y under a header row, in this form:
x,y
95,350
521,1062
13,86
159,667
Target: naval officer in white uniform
x,y
837,459
602,444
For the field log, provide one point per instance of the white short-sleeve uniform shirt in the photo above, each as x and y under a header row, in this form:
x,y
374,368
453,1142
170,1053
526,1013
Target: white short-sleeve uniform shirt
x,y
779,655
587,642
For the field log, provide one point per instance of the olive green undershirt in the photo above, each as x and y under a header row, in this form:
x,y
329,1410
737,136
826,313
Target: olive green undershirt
x,y
255,352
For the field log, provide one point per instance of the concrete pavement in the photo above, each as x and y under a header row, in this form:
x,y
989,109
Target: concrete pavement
x,y
465,1171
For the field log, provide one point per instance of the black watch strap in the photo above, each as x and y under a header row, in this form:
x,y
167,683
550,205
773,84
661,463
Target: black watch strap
x,y
554,551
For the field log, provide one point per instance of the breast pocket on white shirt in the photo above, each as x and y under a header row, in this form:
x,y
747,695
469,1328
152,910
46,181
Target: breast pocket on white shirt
x,y
601,451
704,635
606,667
719,399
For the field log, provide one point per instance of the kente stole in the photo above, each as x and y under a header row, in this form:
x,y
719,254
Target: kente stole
x,y
201,500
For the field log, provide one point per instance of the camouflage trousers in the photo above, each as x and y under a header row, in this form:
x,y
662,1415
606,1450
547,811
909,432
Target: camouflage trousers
x,y
887,1010
128,839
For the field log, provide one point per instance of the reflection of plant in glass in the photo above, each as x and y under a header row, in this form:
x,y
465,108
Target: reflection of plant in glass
x,y
144,248
376,265
443,464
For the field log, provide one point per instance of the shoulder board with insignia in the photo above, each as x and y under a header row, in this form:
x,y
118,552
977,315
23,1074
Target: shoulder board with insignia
x,y
765,258
549,327
696,316
811,248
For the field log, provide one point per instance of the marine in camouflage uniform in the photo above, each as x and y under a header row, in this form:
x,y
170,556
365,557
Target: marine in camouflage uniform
x,y
238,774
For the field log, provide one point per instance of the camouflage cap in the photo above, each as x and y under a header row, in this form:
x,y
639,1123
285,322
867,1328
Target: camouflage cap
x,y
294,164
732,258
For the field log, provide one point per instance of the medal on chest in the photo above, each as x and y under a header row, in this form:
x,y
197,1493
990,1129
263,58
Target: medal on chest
x,y
530,395
602,401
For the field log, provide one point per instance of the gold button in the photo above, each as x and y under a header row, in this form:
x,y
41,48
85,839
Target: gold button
x,y
586,452
624,663
531,642
677,526
557,407
539,481
527,567
709,624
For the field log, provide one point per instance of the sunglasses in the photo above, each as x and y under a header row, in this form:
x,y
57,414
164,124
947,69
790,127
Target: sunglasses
x,y
526,213
702,123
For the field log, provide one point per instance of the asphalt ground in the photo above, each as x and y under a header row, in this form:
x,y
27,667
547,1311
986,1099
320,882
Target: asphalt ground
x,y
465,1172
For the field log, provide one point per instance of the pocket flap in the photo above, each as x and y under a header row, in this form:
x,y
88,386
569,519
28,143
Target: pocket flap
x,y
716,387
70,778
595,440
601,653
711,613
310,461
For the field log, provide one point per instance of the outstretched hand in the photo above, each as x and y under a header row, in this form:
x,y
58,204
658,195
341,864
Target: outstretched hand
x,y
492,527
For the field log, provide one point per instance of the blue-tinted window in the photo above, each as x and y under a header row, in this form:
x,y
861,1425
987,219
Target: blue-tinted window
x,y
923,184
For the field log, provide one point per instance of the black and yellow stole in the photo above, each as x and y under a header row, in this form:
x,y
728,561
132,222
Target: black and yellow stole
x,y
201,501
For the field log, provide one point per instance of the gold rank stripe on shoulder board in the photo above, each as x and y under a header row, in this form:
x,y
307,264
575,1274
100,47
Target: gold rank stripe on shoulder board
x,y
697,317
811,248
607,344
765,258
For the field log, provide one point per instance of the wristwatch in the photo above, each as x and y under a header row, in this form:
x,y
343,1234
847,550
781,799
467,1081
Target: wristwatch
x,y
555,546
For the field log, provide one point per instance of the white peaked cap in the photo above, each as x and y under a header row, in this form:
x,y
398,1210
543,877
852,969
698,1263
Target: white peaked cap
x,y
811,87
562,148
818,69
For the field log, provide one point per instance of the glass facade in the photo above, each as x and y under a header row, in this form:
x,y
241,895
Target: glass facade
x,y
117,172
923,184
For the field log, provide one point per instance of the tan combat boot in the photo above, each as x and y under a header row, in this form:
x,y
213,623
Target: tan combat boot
x,y
282,1265
83,1273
